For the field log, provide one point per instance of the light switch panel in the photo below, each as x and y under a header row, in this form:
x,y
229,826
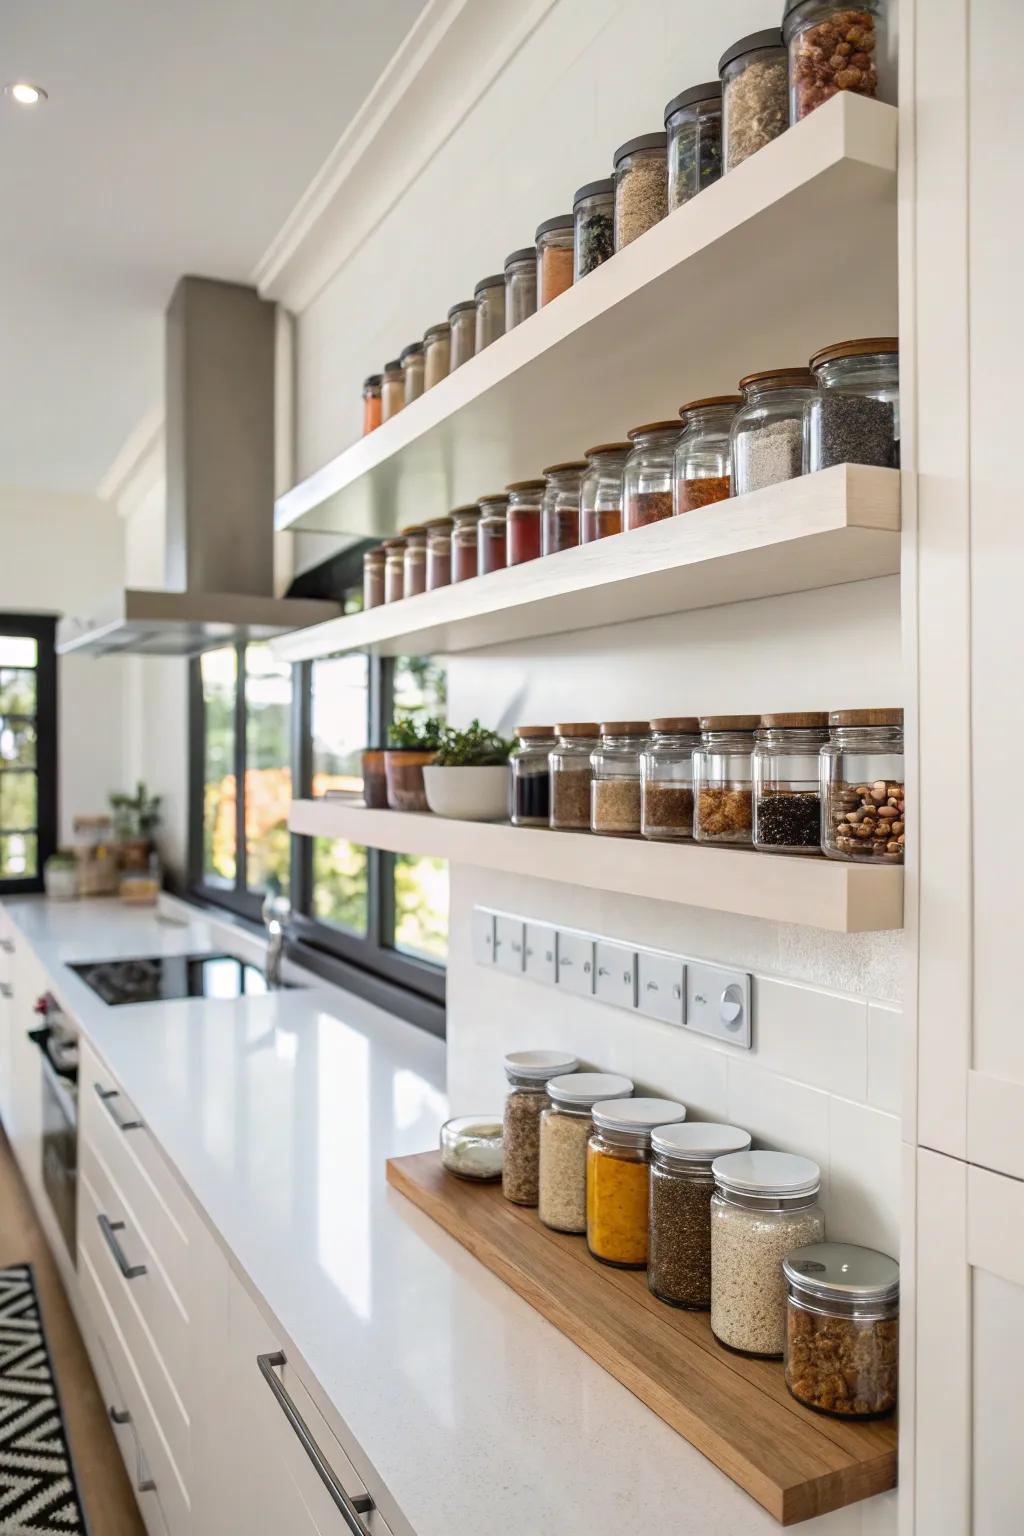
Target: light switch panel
x,y
509,944
718,1003
483,936
615,974
540,953
661,981
575,955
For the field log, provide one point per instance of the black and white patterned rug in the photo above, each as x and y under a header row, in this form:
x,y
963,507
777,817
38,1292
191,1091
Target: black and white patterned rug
x,y
38,1493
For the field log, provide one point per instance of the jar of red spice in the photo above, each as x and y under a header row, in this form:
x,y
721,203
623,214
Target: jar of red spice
x,y
554,257
647,475
464,557
392,390
394,570
491,536
702,467
371,402
439,553
524,501
601,491
560,511
373,577
414,561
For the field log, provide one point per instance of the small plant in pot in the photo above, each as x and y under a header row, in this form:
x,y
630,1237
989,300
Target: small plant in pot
x,y
60,876
136,818
468,779
412,745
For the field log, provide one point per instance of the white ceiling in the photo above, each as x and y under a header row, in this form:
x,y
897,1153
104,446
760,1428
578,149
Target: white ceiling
x,y
177,137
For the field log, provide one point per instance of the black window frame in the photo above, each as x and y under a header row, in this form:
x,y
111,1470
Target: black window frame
x,y
42,629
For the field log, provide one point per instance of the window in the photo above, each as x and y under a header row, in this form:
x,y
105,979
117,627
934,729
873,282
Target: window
x,y
28,751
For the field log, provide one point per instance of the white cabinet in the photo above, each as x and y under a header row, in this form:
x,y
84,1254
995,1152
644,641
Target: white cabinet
x,y
6,1009
23,1114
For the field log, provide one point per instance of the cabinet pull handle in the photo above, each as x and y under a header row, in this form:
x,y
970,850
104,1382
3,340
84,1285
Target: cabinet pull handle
x,y
110,1230
106,1097
119,1415
349,1507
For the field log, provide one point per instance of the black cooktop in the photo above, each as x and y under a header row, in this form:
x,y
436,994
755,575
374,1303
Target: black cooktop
x,y
159,978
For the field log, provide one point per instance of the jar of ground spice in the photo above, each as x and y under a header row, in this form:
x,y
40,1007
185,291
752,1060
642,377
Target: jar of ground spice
x,y
682,1184
618,1184
520,286
787,791
528,1073
832,48
373,577
842,1329
489,294
371,403
693,122
601,491
394,570
648,472
554,257
641,186
722,786
439,552
392,390
560,509
571,775
854,415
437,348
767,435
531,775
464,551
593,211
666,778
523,520
462,332
565,1129
615,790
755,94
491,534
702,470
413,360
864,787
414,561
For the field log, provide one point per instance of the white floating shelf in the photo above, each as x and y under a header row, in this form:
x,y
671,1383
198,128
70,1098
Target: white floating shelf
x,y
815,892
794,249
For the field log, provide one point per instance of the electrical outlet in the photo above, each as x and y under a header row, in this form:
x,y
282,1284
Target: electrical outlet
x,y
575,955
509,944
718,1003
661,982
540,953
483,936
615,974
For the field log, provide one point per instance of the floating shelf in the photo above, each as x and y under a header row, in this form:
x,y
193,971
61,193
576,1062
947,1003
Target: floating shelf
x,y
815,892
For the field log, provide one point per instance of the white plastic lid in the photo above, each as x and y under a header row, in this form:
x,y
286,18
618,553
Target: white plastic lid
x,y
699,1141
539,1064
637,1115
585,1088
767,1173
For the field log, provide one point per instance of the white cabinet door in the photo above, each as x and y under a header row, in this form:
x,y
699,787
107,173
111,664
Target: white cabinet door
x,y
6,1010
26,1094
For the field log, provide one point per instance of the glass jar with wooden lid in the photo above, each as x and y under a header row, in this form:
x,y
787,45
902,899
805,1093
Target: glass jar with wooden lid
x,y
523,520
560,510
439,552
863,786
414,560
767,434
394,570
571,775
392,390
531,775
373,577
464,542
615,791
786,774
491,533
722,785
601,491
702,470
853,417
648,473
666,778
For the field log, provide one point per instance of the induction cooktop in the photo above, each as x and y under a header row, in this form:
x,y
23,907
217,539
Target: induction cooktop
x,y
161,978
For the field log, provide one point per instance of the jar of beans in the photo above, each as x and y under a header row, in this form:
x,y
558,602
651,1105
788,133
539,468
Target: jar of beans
x,y
693,122
437,353
565,1129
853,417
618,1184
439,552
571,775
371,403
593,209
766,439
523,520
615,790
722,787
520,286
394,570
464,541
462,332
863,786
489,294
647,475
787,791
373,577
560,510
842,1329
755,94
641,186
528,1073
491,533
554,257
682,1184
601,491
666,778
832,48
702,470
392,390
413,360
531,775
414,561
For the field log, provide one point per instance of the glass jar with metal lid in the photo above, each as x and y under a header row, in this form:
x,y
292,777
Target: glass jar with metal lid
x,y
863,786
439,552
371,403
682,1184
560,509
565,1129
531,775
413,360
722,785
767,435
392,391
414,561
765,1204
648,473
528,1073
437,351
571,775
520,286
523,520
702,470
554,257
842,1329
489,294
693,121
615,790
832,47
641,186
593,211
394,570
464,542
462,330
373,577
666,778
618,1182
787,787
491,534
853,417
601,491
755,94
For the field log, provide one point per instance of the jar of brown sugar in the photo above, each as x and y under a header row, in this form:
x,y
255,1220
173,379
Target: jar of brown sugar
x,y
554,257
648,472
615,791
373,577
371,403
462,331
439,552
560,510
464,542
722,785
702,467
682,1184
520,286
523,520
392,390
601,491
571,775
841,1352
528,1073
489,294
394,570
565,1129
492,535
666,778
437,345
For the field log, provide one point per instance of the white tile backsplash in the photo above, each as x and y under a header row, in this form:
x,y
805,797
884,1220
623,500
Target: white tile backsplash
x,y
779,1112
865,1179
814,1036
885,1057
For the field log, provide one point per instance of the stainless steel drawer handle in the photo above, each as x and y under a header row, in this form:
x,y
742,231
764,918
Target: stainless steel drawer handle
x,y
349,1507
106,1097
119,1415
110,1229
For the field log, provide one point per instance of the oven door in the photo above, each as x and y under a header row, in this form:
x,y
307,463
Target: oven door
x,y
60,1139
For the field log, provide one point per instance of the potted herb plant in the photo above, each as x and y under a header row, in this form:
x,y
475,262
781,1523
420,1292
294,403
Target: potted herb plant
x,y
60,876
136,818
468,778
412,744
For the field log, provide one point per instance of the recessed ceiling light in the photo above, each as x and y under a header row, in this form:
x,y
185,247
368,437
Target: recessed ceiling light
x,y
25,94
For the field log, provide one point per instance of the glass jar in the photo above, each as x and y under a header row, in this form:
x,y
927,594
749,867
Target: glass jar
x,y
371,403
767,435
554,257
601,491
520,286
647,474
832,47
392,391
842,1329
641,186
593,212
693,122
489,294
471,1148
755,94
413,360
618,1185
414,561
439,553
854,415
765,1204
722,786
491,536
523,520
702,471
863,788
787,788
437,349
682,1184
373,577
531,775
464,542
666,778
565,1129
615,790
394,570
375,779
560,510
571,775
528,1073
462,333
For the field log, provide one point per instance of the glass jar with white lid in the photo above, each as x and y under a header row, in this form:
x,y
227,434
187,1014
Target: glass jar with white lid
x,y
842,1329
853,416
565,1128
722,782
666,778
601,491
618,1182
767,436
615,789
863,787
682,1184
787,789
462,333
528,1073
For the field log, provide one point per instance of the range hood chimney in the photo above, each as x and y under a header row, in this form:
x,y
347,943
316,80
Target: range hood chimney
x,y
219,560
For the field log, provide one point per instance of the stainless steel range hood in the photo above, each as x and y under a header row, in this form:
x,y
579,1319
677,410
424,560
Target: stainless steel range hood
x,y
219,561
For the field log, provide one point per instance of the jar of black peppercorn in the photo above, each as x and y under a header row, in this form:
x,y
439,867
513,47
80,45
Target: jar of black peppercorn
x,y
787,794
682,1184
531,775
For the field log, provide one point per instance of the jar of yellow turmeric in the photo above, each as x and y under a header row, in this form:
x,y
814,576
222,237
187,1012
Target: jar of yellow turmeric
x,y
617,1177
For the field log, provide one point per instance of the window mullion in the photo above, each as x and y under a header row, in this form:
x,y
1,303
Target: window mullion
x,y
302,782
241,873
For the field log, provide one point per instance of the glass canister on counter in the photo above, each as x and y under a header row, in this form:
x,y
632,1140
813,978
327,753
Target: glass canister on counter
x,y
682,1184
520,286
437,347
647,476
601,491
554,257
722,785
462,333
528,1073
464,542
641,186
560,509
787,789
571,775
618,1182
615,789
471,1147
371,403
767,435
702,468
491,535
565,1129
373,577
863,786
392,390
531,775
593,211
413,360
439,552
394,570
842,1329
755,94
666,778
853,417
523,520
414,561
693,122
832,47
489,295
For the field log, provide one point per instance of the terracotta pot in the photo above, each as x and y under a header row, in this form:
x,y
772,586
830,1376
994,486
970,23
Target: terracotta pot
x,y
403,768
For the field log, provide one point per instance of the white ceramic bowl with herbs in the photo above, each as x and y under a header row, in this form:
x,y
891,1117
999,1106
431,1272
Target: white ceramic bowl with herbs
x,y
469,777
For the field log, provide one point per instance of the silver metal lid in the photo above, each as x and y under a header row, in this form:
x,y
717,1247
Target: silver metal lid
x,y
699,1141
637,1115
539,1064
843,1269
586,1088
767,1173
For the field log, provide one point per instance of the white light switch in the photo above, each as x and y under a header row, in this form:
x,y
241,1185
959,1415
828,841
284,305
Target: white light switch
x,y
576,963
718,1003
661,982
540,953
509,944
483,936
615,978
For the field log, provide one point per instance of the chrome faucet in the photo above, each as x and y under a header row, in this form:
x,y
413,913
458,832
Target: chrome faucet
x,y
276,911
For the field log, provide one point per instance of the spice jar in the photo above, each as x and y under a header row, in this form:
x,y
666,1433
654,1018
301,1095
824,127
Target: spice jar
x,y
560,509
722,788
371,403
531,775
528,1073
765,1204
414,561
471,1147
854,415
554,257
394,570
462,332
593,211
392,390
755,94
832,48
647,474
437,346
413,360
618,1186
666,778
565,1129
693,121
464,552
641,186
373,577
571,775
767,435
439,553
601,491
491,533
615,790
787,791
489,294
863,786
682,1184
842,1329
523,520
702,471
520,286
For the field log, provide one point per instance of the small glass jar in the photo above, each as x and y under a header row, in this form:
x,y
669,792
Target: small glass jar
x,y
462,333
471,1148
615,790
523,520
693,122
414,561
371,403
722,787
765,1204
702,469
528,1073
601,491
560,510
375,779
520,286
666,778
565,1129
863,789
439,553
682,1184
593,212
755,94
531,775
787,788
554,257
491,534
841,1353
767,435
618,1182
641,186
392,391
853,417
832,47
464,542
648,473
489,294
373,577
437,351
571,775
413,360
394,570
